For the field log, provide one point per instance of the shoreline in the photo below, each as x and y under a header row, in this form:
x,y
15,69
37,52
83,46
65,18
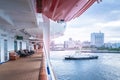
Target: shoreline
x,y
90,51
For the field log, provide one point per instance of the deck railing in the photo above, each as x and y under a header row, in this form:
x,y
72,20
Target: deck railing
x,y
48,70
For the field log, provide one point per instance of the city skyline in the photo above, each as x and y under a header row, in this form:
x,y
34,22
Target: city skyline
x,y
102,17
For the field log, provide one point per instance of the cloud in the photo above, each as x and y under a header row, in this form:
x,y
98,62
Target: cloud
x,y
82,21
115,12
109,24
104,17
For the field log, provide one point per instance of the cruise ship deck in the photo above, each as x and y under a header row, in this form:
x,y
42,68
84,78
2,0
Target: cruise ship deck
x,y
30,25
27,68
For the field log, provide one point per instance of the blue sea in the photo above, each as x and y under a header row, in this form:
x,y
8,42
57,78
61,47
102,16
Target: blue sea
x,y
106,67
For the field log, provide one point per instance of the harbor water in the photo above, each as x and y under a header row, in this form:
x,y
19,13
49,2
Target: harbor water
x,y
106,67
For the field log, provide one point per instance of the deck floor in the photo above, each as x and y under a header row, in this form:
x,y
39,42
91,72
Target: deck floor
x,y
27,68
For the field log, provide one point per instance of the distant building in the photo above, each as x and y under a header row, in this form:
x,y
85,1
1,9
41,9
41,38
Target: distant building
x,y
112,45
86,44
70,44
52,45
97,39
116,45
108,45
65,44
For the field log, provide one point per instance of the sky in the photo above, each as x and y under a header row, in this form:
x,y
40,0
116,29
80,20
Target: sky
x,y
103,17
